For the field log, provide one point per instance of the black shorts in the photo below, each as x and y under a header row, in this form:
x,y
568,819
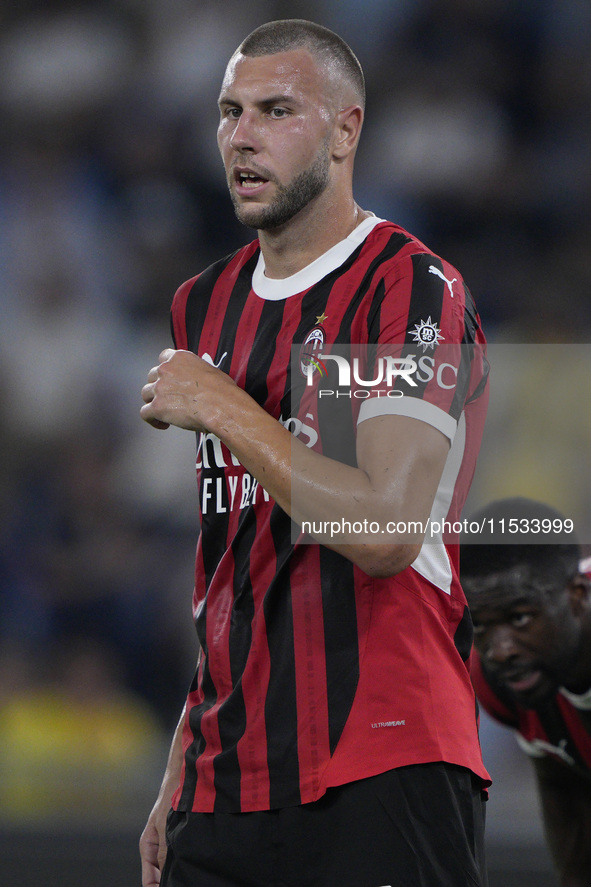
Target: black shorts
x,y
418,826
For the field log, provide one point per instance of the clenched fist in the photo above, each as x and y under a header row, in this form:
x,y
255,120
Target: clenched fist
x,y
185,391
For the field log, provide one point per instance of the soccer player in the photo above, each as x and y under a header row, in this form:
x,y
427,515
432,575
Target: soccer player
x,y
329,736
531,608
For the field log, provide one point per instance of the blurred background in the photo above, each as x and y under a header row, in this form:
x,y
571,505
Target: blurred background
x,y
111,194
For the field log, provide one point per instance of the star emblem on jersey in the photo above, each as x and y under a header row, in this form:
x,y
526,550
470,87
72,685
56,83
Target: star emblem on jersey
x,y
321,318
427,334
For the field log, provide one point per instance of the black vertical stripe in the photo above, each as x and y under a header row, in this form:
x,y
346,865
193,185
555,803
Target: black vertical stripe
x,y
468,355
281,703
464,634
471,327
263,350
232,715
340,639
425,305
212,482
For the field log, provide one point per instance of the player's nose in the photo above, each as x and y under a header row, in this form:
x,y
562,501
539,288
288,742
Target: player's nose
x,y
501,646
245,135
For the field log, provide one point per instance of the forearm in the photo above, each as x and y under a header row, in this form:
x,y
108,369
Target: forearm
x,y
304,483
172,772
335,502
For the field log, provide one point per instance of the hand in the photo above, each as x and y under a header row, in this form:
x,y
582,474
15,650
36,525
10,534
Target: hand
x,y
153,844
185,391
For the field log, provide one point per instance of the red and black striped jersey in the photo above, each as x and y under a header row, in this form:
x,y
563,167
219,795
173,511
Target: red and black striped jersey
x,y
560,729
312,673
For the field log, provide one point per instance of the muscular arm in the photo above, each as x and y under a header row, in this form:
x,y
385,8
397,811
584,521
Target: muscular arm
x,y
566,807
153,839
400,460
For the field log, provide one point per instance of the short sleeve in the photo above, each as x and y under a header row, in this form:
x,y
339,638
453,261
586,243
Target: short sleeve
x,y
426,356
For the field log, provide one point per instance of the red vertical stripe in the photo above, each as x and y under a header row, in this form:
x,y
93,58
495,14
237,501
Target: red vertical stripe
x,y
245,336
252,747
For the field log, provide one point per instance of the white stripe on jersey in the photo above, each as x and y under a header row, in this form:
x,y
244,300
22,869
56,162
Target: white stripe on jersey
x,y
433,561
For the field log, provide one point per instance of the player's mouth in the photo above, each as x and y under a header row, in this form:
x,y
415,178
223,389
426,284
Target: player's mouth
x,y
523,681
248,183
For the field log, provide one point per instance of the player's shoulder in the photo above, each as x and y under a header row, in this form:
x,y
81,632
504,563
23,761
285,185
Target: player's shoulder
x,y
409,255
232,263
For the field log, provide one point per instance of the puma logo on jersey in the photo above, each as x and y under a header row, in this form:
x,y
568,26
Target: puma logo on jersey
x,y
209,359
538,748
450,283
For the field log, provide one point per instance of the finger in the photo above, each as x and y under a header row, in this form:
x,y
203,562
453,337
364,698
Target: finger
x,y
150,874
149,853
166,354
162,854
148,393
146,414
153,374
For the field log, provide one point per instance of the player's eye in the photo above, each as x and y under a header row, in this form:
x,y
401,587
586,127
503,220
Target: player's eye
x,y
521,620
278,113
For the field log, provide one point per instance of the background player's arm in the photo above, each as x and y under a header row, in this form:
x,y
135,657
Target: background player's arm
x,y
566,806
400,461
153,839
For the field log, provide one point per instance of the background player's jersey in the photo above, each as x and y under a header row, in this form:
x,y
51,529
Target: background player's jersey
x,y
560,729
312,673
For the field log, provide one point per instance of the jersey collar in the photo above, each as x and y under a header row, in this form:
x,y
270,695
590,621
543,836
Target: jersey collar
x,y
274,290
582,701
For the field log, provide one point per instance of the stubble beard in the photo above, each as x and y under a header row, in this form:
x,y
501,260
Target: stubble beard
x,y
290,198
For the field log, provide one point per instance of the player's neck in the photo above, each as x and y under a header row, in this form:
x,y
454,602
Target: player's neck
x,y
307,236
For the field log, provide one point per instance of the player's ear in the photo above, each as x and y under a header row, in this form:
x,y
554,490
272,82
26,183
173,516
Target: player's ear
x,y
347,131
579,592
